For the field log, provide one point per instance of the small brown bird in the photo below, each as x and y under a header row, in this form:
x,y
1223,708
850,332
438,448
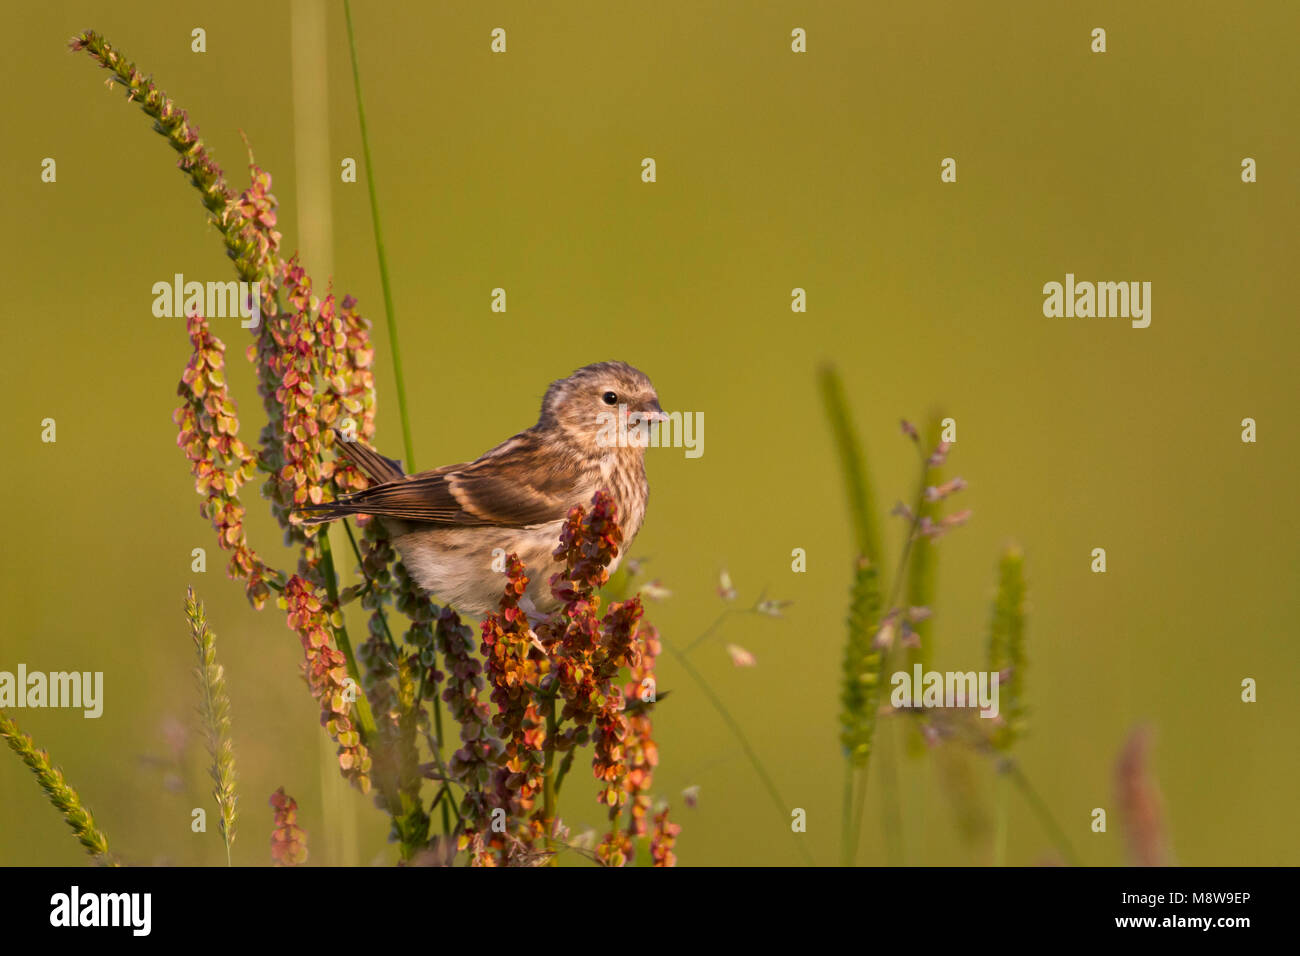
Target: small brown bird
x,y
448,523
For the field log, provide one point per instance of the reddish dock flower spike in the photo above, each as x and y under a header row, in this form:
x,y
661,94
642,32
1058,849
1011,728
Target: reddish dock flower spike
x,y
519,724
641,749
220,462
663,840
327,676
288,840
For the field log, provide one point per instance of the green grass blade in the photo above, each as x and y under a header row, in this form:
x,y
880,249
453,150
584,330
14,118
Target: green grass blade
x,y
399,378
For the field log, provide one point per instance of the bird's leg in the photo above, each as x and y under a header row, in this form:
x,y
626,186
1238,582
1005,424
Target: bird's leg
x,y
535,619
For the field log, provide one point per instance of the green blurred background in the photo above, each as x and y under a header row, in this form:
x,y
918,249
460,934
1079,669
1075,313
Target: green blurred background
x,y
775,170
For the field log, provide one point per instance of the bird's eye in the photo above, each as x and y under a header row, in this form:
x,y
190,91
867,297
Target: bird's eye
x,y
610,398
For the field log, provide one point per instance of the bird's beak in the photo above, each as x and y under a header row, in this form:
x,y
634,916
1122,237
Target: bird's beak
x,y
653,413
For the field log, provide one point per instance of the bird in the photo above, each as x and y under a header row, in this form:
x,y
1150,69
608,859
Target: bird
x,y
452,525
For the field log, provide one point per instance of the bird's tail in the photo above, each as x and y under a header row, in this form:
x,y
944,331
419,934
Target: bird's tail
x,y
373,465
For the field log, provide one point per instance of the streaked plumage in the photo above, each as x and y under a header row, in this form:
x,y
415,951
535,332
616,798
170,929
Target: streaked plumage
x,y
447,523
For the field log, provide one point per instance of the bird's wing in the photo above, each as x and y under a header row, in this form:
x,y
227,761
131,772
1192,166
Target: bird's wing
x,y
514,485
372,464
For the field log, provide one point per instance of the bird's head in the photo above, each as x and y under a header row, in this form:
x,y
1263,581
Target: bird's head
x,y
591,407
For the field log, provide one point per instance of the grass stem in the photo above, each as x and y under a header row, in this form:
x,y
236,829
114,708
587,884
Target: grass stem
x,y
782,807
399,378
1001,810
1045,817
548,780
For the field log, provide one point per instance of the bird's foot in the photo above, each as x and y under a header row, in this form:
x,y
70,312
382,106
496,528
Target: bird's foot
x,y
535,619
